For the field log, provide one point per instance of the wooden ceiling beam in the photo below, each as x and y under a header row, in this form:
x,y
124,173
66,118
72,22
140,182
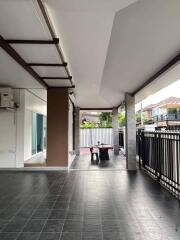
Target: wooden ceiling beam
x,y
30,41
48,64
12,52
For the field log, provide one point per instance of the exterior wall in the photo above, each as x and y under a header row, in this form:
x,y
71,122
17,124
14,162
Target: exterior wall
x,y
16,129
7,139
57,127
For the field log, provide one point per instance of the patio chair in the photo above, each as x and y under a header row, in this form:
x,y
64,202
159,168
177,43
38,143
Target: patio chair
x,y
94,152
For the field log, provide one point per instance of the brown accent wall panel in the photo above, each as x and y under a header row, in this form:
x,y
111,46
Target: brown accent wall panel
x,y
57,127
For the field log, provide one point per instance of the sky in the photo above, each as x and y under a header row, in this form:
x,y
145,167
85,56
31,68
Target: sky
x,y
172,90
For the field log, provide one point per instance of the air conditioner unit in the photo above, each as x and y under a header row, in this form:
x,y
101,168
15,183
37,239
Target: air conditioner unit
x,y
6,98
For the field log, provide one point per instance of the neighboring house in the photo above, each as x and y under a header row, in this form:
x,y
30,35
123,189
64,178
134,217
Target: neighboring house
x,y
165,112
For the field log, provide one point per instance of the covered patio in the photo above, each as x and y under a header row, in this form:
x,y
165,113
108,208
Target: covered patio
x,y
60,57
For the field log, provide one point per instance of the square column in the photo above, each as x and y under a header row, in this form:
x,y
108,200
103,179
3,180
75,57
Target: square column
x,y
130,132
115,131
77,130
57,127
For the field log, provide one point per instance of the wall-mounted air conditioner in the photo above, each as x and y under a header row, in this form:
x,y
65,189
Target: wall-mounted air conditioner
x,y
6,98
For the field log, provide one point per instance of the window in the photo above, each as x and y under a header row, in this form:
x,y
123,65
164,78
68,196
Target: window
x,y
34,134
38,133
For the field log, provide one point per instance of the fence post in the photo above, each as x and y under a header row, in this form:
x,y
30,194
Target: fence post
x,y
142,148
139,146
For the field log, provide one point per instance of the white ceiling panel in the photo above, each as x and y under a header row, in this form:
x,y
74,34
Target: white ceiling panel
x,y
58,83
13,75
40,53
21,19
49,71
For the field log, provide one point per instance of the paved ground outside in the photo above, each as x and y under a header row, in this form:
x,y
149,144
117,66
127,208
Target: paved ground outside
x,y
83,162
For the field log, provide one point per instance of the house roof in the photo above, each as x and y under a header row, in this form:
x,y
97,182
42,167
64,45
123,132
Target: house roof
x,y
166,103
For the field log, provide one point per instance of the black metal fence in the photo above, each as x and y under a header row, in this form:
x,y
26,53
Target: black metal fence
x,y
159,154
121,138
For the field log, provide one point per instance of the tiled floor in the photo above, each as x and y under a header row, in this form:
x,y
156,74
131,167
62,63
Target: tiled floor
x,y
83,162
86,205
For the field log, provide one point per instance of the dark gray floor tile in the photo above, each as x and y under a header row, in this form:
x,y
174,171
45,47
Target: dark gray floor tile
x,y
53,226
61,205
8,236
92,236
111,236
92,227
3,223
58,214
28,236
71,236
49,236
34,226
110,226
41,214
14,227
73,226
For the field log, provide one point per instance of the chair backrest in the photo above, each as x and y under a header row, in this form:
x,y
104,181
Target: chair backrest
x,y
91,149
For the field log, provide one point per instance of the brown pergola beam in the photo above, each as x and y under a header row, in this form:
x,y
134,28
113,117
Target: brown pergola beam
x,y
48,64
165,68
22,41
99,109
62,87
58,78
9,50
53,35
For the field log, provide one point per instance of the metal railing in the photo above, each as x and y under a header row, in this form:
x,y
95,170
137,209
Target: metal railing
x,y
167,117
159,154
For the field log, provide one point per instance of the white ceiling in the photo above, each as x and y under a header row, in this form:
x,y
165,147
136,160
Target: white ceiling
x,y
111,47
144,38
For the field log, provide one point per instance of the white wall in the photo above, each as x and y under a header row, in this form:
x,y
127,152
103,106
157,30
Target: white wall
x,y
16,129
7,139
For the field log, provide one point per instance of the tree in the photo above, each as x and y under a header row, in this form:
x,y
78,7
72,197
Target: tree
x,y
105,119
121,119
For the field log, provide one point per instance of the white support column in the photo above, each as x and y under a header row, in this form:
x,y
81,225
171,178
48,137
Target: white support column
x,y
77,130
130,132
115,131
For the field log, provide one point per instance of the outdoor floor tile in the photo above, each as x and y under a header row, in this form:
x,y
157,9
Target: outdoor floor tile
x,y
14,227
92,236
73,226
34,226
41,214
28,236
3,223
49,236
8,236
105,205
58,214
71,236
92,227
53,226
